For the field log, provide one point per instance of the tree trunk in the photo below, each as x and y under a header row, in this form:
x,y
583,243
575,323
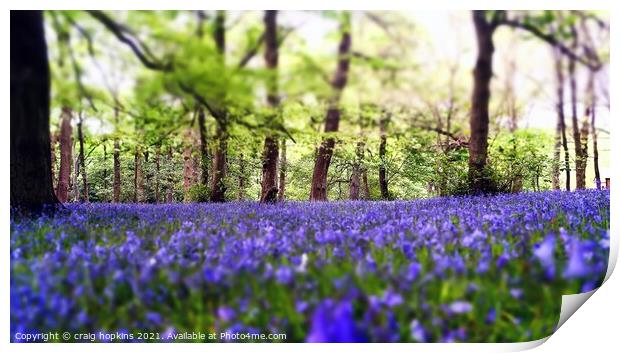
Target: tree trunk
x,y
31,178
218,187
560,134
169,194
597,174
188,164
105,173
157,153
318,190
356,172
269,189
147,176
66,142
218,175
365,188
282,182
479,116
82,159
116,184
354,183
53,142
579,169
138,181
584,133
204,149
383,183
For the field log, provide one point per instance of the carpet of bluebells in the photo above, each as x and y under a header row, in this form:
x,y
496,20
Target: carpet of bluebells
x,y
480,269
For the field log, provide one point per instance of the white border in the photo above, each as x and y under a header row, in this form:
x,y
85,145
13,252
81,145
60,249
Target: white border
x,y
594,326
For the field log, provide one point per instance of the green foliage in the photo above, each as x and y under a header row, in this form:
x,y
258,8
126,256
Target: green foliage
x,y
521,161
199,193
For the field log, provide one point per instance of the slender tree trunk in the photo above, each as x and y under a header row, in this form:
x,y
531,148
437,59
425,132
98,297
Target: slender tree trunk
x,y
169,189
66,142
218,187
283,166
597,174
318,190
365,188
31,178
82,159
579,169
479,116
218,175
54,141
204,149
383,183
269,189
584,133
196,167
356,171
354,184
138,177
147,176
188,164
560,133
105,173
116,184
241,179
157,154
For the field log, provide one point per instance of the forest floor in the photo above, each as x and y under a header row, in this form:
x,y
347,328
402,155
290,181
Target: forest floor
x,y
473,269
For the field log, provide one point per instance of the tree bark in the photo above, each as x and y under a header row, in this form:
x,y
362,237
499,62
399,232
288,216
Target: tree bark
x,y
269,187
66,142
356,171
218,187
105,173
53,143
479,116
579,161
31,178
383,183
204,149
318,190
584,133
283,166
116,184
169,194
188,164
560,139
597,174
218,175
365,188
157,167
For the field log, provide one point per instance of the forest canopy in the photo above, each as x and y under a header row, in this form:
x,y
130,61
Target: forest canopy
x,y
194,106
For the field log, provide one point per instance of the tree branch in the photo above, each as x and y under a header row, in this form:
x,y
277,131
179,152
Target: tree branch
x,y
251,52
138,48
549,39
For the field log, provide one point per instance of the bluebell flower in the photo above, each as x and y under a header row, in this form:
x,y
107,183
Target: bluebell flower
x,y
460,307
418,333
334,322
577,266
